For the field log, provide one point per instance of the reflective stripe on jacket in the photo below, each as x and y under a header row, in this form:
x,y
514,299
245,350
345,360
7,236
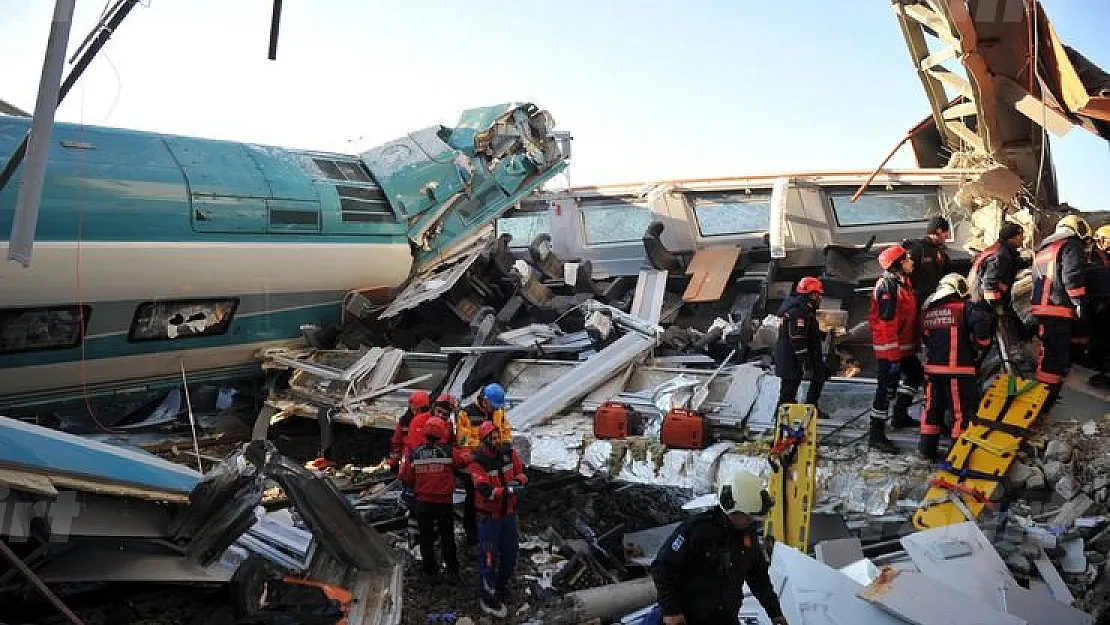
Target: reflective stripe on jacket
x,y
1058,281
893,317
954,330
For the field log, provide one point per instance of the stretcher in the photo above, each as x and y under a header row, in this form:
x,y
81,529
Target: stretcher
x,y
982,455
793,461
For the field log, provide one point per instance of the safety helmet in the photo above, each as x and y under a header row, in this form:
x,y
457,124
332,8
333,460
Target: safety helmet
x,y
494,394
446,399
436,429
954,283
810,285
1076,224
743,492
486,430
420,401
891,256
1103,232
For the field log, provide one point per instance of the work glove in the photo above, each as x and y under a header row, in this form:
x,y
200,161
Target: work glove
x,y
999,310
506,447
895,368
408,496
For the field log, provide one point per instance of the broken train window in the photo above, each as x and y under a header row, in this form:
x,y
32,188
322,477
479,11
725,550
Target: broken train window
x,y
32,329
342,170
882,206
614,220
524,227
180,319
732,213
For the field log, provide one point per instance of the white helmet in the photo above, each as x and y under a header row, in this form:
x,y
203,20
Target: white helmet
x,y
743,492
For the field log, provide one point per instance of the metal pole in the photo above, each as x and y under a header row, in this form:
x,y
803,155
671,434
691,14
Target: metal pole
x,y
42,125
18,563
275,22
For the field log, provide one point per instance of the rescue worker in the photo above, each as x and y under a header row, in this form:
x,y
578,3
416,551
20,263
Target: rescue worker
x,y
444,408
499,480
1099,286
992,275
488,406
430,473
700,571
955,330
399,448
1059,299
799,343
894,331
930,257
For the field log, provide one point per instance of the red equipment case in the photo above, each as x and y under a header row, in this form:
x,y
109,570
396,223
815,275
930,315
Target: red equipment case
x,y
617,420
684,429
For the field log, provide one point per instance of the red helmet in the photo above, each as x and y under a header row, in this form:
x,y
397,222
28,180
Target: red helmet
x,y
486,430
436,429
810,285
891,256
447,398
420,401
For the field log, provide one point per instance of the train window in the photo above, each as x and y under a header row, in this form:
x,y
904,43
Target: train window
x,y
363,204
33,329
170,320
881,206
614,221
343,170
732,213
524,227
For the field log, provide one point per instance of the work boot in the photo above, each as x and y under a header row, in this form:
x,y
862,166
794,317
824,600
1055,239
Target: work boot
x,y
900,418
928,445
493,607
876,437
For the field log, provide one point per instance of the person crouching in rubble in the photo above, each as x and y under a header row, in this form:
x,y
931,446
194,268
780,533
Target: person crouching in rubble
x,y
799,343
700,571
1099,283
499,479
400,447
430,473
993,273
489,406
955,330
893,318
1060,300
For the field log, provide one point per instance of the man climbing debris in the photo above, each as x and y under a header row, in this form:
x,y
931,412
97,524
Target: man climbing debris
x,y
798,347
894,331
701,569
430,473
955,330
1059,300
499,480
488,407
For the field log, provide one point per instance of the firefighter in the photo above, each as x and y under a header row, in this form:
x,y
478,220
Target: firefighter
x,y
1099,285
488,406
430,473
499,480
419,409
893,320
993,271
444,408
930,257
1059,299
955,330
700,571
799,343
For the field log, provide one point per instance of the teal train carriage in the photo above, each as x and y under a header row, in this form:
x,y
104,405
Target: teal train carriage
x,y
156,251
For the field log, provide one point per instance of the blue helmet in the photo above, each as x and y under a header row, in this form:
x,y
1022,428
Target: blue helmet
x,y
494,394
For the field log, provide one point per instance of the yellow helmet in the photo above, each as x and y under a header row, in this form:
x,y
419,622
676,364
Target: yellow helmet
x,y
1076,224
1103,232
954,283
743,492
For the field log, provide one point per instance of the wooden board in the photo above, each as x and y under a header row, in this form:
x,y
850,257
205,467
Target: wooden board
x,y
709,272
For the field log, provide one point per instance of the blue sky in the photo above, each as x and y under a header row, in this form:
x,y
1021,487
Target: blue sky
x,y
649,89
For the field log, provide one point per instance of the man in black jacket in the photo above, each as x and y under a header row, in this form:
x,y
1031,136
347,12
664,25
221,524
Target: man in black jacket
x,y
930,258
799,343
700,571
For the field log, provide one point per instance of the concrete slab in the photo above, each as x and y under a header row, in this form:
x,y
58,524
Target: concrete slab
x,y
813,593
839,553
922,600
978,574
1039,606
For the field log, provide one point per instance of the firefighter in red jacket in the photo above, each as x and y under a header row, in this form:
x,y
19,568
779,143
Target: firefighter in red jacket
x,y
955,330
399,448
894,331
1059,300
499,479
429,472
